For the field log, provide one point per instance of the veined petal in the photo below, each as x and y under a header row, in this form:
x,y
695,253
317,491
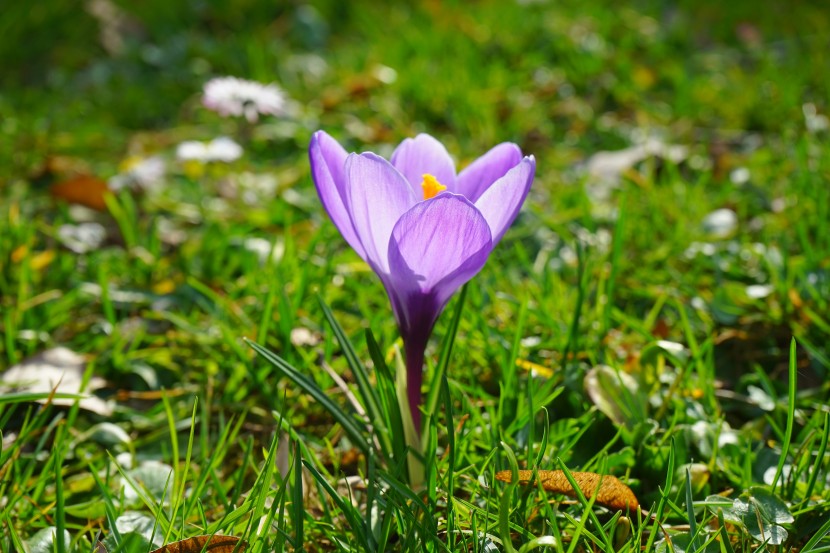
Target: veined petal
x,y
484,171
500,203
423,154
436,246
328,161
377,195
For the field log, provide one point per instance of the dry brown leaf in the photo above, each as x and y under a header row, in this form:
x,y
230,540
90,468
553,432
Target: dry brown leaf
x,y
213,544
86,190
611,493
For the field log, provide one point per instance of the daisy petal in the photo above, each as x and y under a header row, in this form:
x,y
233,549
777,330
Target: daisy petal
x,y
377,196
501,202
423,154
480,174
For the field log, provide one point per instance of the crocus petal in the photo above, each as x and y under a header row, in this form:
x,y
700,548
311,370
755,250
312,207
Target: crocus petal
x,y
436,246
500,203
423,154
377,196
328,160
483,172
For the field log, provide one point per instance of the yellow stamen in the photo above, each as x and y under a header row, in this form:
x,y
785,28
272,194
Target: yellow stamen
x,y
431,186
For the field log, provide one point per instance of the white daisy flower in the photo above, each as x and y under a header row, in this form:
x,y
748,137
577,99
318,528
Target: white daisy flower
x,y
721,223
83,237
192,150
144,173
236,97
219,149
224,149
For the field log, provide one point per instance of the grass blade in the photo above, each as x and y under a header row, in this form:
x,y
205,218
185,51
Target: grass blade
x,y
388,401
443,362
367,392
788,433
822,449
353,517
690,512
297,499
350,425
506,497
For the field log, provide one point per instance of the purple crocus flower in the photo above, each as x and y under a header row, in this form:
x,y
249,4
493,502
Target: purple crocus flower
x,y
424,229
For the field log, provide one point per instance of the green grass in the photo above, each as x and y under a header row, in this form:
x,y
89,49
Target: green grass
x,y
713,408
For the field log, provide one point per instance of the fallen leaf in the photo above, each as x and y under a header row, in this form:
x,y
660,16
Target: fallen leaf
x,y
57,369
45,540
86,190
214,544
609,490
609,166
616,393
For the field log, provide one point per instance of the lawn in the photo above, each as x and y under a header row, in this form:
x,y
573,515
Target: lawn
x,y
190,347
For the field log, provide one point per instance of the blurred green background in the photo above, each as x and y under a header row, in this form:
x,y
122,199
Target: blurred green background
x,y
82,76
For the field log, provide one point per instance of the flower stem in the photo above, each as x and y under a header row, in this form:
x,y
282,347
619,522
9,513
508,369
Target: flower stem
x,y
414,379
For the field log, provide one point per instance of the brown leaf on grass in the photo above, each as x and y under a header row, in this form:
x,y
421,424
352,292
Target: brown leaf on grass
x,y
213,544
86,190
610,491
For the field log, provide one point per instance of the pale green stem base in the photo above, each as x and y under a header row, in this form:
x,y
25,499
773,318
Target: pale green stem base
x,y
413,439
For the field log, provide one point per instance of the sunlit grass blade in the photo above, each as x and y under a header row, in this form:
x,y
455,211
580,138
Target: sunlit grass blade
x,y
180,492
788,433
582,282
265,320
664,500
507,498
450,471
543,444
353,516
388,401
60,498
431,403
297,499
349,423
587,505
13,535
27,397
726,543
407,500
122,209
616,255
367,391
690,512
509,385
820,458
